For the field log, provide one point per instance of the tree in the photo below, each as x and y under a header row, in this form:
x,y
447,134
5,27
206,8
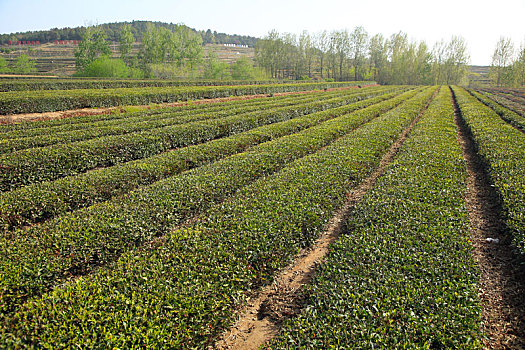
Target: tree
x,y
190,46
92,46
243,69
208,37
500,68
341,49
306,52
358,44
268,53
378,54
24,65
321,45
457,60
126,40
519,67
397,46
180,45
439,53
215,69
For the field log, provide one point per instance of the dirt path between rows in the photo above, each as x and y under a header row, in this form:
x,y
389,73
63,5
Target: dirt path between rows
x,y
260,319
16,118
502,278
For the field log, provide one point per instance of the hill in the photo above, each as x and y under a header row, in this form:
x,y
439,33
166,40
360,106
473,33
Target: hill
x,y
112,31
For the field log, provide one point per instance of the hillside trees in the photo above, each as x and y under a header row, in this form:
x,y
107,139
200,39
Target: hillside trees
x,y
126,40
24,65
215,69
92,46
179,47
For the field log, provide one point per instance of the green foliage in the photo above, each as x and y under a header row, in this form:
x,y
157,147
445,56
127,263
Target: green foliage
x,y
46,101
216,69
161,45
71,84
105,67
126,40
55,161
243,69
402,274
24,65
92,46
4,68
24,206
506,114
303,178
501,146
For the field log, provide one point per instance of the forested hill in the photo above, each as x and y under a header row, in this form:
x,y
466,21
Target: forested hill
x,y
113,30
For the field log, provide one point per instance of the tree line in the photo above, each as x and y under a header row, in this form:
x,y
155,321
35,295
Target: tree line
x,y
112,33
356,55
508,64
163,53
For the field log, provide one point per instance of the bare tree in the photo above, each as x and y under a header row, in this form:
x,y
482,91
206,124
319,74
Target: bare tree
x,y
502,60
378,55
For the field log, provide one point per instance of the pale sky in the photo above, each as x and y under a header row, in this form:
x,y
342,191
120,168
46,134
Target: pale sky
x,y
480,22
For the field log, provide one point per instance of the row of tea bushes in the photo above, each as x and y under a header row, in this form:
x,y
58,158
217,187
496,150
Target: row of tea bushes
x,y
69,84
35,259
59,100
181,291
503,148
52,162
34,128
506,114
49,136
45,200
401,275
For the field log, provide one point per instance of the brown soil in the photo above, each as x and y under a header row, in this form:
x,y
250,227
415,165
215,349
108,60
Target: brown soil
x,y
16,118
261,318
502,276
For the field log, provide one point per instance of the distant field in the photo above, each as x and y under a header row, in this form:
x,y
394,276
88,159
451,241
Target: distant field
x,y
158,228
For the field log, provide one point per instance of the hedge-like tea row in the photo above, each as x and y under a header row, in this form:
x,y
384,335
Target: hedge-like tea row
x,y
503,148
180,292
40,201
505,113
47,163
69,84
401,275
35,128
47,137
514,105
59,100
124,113
33,260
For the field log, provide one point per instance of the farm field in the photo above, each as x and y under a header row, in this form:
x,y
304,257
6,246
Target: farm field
x,y
181,227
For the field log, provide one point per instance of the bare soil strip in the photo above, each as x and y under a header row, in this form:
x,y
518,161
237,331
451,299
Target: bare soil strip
x,y
260,319
16,118
502,274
